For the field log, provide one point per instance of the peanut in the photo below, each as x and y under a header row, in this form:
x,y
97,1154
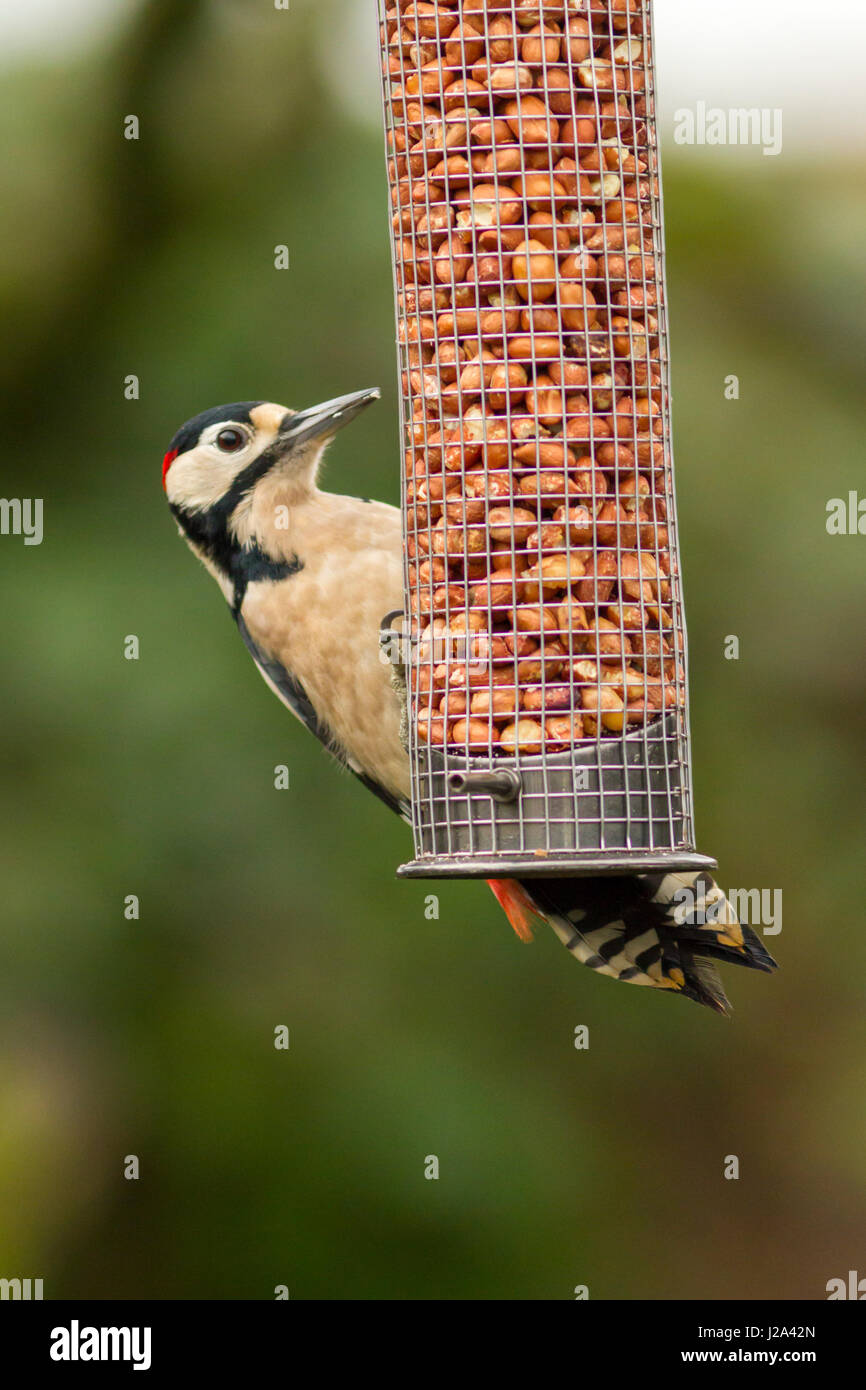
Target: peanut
x,y
524,736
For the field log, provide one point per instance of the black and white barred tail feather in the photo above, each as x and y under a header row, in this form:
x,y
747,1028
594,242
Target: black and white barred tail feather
x,y
664,931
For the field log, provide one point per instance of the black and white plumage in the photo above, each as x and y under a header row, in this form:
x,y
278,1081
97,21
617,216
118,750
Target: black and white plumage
x,y
309,576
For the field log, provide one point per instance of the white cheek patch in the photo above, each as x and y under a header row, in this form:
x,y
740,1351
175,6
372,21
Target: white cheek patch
x,y
197,480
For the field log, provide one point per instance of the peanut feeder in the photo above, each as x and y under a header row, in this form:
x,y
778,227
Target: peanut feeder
x,y
546,666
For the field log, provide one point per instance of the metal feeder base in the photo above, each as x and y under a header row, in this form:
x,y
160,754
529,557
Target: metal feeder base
x,y
557,867
614,807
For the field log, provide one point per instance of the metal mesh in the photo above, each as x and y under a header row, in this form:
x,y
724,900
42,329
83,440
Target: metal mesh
x,y
547,640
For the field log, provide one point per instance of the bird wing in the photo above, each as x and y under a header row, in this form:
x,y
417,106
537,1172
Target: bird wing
x,y
293,695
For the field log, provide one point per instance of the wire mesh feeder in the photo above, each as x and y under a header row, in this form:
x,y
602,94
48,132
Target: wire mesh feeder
x,y
546,653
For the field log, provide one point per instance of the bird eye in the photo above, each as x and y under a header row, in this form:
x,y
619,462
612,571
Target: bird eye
x,y
230,441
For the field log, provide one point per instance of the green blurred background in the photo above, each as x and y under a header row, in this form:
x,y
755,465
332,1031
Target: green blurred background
x,y
409,1037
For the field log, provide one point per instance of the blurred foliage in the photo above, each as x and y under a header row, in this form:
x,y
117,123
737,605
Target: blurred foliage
x,y
409,1037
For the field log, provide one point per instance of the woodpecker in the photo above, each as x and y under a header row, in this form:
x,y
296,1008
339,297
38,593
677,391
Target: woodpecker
x,y
309,576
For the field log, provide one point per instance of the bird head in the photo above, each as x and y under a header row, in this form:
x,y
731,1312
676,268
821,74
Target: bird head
x,y
216,459
229,471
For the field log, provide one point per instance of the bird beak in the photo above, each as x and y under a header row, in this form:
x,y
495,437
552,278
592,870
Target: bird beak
x,y
323,421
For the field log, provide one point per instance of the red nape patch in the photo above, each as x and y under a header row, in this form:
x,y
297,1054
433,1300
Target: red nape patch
x,y
167,462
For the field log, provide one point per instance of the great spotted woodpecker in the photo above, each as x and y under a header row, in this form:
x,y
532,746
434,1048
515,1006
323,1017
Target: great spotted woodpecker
x,y
308,576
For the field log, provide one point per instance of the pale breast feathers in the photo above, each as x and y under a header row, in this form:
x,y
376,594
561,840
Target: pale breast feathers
x,y
321,625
